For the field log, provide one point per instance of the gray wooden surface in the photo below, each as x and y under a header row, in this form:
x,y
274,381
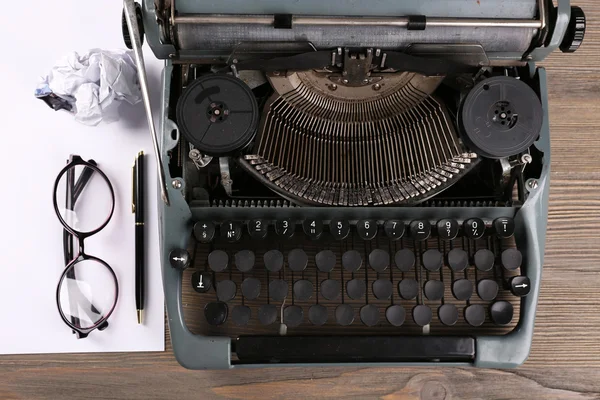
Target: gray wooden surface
x,y
565,359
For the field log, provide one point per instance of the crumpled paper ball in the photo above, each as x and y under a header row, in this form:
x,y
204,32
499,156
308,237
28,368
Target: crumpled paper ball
x,y
92,85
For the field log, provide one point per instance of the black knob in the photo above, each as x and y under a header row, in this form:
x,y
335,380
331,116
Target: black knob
x,y
125,28
180,259
575,31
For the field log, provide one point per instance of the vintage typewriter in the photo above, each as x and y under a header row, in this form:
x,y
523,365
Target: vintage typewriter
x,y
352,182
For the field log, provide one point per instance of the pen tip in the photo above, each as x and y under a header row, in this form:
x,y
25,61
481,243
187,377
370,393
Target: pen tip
x,y
141,153
139,316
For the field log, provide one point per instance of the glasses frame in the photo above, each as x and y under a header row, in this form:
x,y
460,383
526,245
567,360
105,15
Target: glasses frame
x,y
74,189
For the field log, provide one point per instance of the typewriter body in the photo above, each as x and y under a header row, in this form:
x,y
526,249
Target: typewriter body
x,y
354,182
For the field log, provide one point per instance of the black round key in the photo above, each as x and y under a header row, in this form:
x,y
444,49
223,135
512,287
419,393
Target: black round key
x,y
267,314
475,315
366,229
251,288
244,260
458,260
447,229
487,289
241,315
394,229
303,290
231,231
462,289
201,282
351,260
474,228
330,289
226,290
356,288
484,260
448,314
408,289
344,314
420,230
422,315
395,315
383,289
180,259
204,231
504,227
434,290
511,259
216,313
520,286
405,260
278,289
273,260
432,260
317,315
285,228
339,228
313,228
258,228
325,260
218,260
292,316
501,312
369,315
379,260
297,260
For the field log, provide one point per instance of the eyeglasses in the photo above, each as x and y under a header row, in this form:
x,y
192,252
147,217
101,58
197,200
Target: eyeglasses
x,y
84,201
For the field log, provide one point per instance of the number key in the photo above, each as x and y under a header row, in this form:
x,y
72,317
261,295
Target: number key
x,y
313,228
394,229
474,228
447,229
231,231
367,229
339,228
285,228
420,230
258,228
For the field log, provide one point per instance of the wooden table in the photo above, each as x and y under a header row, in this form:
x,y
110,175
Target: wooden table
x,y
565,358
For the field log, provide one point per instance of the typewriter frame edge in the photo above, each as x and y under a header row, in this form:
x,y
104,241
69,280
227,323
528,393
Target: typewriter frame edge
x,y
203,352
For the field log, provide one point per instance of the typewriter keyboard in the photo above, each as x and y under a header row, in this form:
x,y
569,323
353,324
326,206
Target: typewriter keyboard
x,y
319,277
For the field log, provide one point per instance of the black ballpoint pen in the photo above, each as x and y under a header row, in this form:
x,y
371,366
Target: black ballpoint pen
x,y
137,207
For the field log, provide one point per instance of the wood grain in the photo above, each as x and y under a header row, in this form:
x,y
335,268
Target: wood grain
x,y
565,357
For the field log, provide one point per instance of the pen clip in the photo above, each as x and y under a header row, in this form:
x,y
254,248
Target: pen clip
x,y
133,188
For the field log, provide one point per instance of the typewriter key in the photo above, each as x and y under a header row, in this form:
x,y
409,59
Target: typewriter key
x,y
395,315
484,260
448,314
292,316
231,231
501,312
462,289
330,289
475,314
344,314
313,228
201,282
241,315
179,259
447,229
458,260
285,228
278,289
351,261
520,286
432,260
422,315
218,114
474,228
366,229
339,228
303,290
394,229
267,314
405,260
487,289
317,315
511,259
504,227
297,260
408,289
251,288
379,260
383,289
244,260
273,260
369,315
204,231
501,117
216,313
434,290
356,288
226,290
325,260
218,260
420,230
258,228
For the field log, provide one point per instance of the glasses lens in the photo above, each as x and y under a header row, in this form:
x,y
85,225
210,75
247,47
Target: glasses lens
x,y
87,293
84,199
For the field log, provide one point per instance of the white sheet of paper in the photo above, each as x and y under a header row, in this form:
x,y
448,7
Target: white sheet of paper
x,y
36,142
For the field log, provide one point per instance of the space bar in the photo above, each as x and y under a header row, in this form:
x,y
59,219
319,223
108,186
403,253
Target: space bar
x,y
305,349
